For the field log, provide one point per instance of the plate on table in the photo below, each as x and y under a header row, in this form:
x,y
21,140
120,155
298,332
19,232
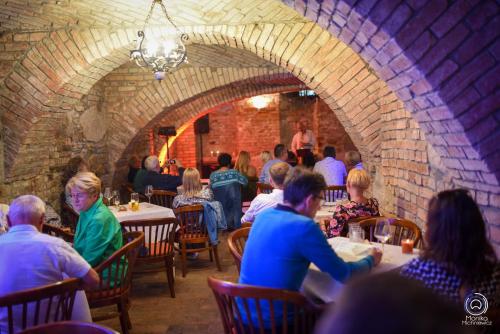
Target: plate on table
x,y
329,203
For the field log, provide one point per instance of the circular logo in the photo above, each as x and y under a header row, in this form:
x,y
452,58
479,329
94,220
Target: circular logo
x,y
476,304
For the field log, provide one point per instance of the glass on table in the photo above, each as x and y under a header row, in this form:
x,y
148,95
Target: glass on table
x,y
383,231
148,191
134,201
107,195
116,198
356,233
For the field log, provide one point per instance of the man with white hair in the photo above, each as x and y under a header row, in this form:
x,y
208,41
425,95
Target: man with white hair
x,y
160,181
30,259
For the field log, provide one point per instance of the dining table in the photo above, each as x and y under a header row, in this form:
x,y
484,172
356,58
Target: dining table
x,y
322,286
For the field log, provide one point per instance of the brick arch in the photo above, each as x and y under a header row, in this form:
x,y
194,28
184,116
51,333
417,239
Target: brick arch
x,y
187,110
441,59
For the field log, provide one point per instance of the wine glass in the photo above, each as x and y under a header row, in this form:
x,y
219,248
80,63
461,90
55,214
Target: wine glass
x,y
383,231
107,195
149,192
116,198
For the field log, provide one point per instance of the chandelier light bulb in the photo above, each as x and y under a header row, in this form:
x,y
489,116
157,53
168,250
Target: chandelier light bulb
x,y
259,102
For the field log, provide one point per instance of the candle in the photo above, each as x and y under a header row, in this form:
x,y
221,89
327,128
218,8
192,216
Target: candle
x,y
407,246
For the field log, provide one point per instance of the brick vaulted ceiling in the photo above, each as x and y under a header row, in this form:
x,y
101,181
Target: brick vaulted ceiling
x,y
398,74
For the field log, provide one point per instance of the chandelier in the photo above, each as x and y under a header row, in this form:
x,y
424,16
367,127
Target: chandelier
x,y
162,55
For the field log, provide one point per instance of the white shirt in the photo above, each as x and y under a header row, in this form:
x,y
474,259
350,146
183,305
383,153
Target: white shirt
x,y
333,171
303,140
261,202
30,259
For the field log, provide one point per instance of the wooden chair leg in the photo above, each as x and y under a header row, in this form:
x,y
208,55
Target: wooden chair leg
x,y
184,259
210,254
216,255
169,266
124,318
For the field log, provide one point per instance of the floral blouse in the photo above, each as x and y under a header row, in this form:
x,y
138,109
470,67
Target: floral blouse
x,y
350,210
204,195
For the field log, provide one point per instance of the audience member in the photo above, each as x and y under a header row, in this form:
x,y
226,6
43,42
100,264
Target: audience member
x,y
98,233
133,167
244,166
30,259
284,241
139,176
457,258
308,160
278,173
358,206
280,155
193,191
333,170
226,184
74,165
292,159
389,304
265,156
160,181
352,160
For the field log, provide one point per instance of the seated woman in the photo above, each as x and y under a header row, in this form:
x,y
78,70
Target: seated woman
x,y
193,191
359,206
457,258
98,233
244,166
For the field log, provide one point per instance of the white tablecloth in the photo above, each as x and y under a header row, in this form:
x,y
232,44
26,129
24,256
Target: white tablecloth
x,y
321,285
326,211
146,211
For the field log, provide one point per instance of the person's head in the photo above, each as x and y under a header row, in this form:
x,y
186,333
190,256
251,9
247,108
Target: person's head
x,y
74,165
242,162
224,160
152,163
456,234
84,189
329,152
265,156
292,159
278,173
390,303
308,160
280,152
191,182
304,191
26,210
357,182
302,125
351,159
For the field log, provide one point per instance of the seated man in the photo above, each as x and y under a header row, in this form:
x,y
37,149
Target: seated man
x,y
160,181
285,240
332,170
280,155
263,201
30,259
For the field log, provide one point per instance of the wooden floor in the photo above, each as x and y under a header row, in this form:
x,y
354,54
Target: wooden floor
x,y
193,310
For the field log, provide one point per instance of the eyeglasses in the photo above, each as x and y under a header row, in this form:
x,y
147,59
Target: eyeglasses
x,y
78,195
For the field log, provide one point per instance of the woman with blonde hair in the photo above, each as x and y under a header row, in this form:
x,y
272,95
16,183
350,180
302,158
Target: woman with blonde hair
x,y
358,181
193,191
243,165
98,232
265,156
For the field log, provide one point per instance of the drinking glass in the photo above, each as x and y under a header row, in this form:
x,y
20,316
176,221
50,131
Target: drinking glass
x,y
345,196
116,197
356,233
383,231
107,195
149,192
134,201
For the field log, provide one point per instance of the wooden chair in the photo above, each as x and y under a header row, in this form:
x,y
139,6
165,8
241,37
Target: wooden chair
x,y
158,245
58,232
302,312
236,242
116,278
69,216
401,229
53,302
194,234
163,198
73,327
333,193
246,224
264,188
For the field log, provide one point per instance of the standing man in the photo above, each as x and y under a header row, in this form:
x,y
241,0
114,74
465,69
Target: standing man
x,y
280,155
303,140
333,170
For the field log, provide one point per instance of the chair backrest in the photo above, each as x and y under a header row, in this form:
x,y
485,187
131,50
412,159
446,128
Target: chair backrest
x,y
116,272
264,188
333,193
73,327
53,302
303,314
400,228
158,235
236,242
191,221
163,198
58,232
